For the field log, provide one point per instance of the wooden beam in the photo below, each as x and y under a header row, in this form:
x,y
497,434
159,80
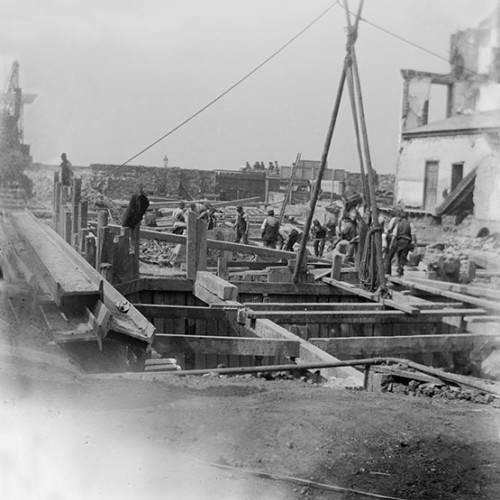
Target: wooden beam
x,y
170,345
59,273
219,287
367,316
476,291
308,353
287,288
227,246
402,345
180,312
131,324
313,306
348,287
487,304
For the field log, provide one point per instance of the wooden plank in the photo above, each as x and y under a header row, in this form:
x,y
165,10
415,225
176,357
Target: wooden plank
x,y
402,345
132,323
216,285
476,291
309,289
487,304
407,308
367,316
308,353
62,278
227,246
180,312
313,306
170,345
348,287
206,296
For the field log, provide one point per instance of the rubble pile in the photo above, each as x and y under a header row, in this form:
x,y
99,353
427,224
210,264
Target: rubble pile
x,y
435,390
97,200
158,253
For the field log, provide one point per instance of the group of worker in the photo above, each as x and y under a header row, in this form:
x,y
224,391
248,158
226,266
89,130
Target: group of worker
x,y
342,224
204,211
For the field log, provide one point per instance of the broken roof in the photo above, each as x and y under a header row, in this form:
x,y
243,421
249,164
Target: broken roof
x,y
485,121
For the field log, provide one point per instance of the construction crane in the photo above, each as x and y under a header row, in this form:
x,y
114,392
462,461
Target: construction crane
x,y
12,103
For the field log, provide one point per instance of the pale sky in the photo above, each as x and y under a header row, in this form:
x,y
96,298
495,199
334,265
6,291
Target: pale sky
x,y
113,76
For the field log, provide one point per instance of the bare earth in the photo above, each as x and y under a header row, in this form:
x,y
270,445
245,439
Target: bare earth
x,y
69,436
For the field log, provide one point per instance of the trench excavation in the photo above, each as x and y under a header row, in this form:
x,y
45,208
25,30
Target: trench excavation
x,y
224,314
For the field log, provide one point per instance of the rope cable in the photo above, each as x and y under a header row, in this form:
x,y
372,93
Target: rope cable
x,y
417,46
232,87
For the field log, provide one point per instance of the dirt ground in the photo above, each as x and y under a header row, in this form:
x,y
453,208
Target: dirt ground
x,y
67,435
70,436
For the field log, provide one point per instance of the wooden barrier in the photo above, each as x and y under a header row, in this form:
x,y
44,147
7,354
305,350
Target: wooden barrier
x,y
112,250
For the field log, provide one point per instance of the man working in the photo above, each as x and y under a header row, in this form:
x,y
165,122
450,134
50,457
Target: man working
x,y
137,207
318,233
270,230
241,226
400,245
179,219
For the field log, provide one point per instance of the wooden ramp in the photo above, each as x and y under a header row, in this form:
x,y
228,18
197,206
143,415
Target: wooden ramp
x,y
61,275
78,303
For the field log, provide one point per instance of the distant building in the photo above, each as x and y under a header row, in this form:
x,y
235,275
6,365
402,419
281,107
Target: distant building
x,y
440,157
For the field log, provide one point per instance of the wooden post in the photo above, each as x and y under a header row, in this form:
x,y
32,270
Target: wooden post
x,y
83,214
75,205
55,192
135,233
191,247
102,236
90,249
102,218
222,271
68,236
201,245
57,204
107,271
119,259
337,265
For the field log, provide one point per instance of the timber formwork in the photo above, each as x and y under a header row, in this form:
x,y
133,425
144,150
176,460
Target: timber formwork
x,y
239,313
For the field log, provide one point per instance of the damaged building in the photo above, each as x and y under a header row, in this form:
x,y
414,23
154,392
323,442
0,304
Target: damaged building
x,y
451,166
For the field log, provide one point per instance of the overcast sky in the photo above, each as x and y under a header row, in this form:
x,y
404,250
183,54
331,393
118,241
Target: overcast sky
x,y
113,76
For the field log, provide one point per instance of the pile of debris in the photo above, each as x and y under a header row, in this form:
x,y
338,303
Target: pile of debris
x,y
434,390
158,253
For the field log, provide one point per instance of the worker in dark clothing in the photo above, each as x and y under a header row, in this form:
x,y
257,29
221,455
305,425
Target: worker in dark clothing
x,y
209,215
270,230
400,245
137,207
291,240
66,172
318,233
241,226
349,233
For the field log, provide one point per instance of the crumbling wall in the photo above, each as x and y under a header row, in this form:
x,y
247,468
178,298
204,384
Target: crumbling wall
x,y
487,190
416,93
119,183
415,152
384,186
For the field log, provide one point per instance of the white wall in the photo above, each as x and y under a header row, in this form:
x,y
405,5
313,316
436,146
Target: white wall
x,y
410,170
487,190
